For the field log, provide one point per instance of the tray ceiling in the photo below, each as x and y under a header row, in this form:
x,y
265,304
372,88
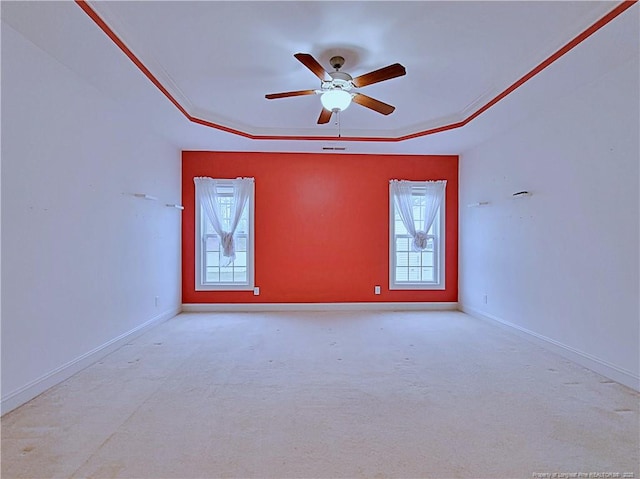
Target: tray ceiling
x,y
217,60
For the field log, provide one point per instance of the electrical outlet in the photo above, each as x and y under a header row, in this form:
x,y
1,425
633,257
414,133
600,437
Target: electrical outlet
x,y
256,291
376,290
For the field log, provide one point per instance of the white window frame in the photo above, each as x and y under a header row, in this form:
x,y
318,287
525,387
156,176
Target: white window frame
x,y
200,267
439,246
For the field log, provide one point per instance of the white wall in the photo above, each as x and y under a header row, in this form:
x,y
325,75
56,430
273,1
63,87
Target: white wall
x,y
82,259
562,264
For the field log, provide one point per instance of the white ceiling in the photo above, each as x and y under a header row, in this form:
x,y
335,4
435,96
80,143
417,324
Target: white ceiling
x,y
219,59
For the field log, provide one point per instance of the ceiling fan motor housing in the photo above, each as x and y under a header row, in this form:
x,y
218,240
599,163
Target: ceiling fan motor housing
x,y
339,80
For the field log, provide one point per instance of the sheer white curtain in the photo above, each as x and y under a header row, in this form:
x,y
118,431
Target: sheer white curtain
x,y
403,193
207,196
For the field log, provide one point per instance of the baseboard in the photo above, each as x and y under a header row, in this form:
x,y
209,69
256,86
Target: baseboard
x,y
617,374
266,307
34,388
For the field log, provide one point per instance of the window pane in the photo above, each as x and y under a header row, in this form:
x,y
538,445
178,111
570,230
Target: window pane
x,y
402,259
414,274
212,243
226,275
414,259
427,275
240,275
402,274
212,259
427,258
241,259
399,227
402,244
241,243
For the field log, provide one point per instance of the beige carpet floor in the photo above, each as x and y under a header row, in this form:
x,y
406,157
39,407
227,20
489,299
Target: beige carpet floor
x,y
331,395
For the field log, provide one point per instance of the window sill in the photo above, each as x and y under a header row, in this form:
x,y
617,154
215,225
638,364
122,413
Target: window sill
x,y
224,287
416,287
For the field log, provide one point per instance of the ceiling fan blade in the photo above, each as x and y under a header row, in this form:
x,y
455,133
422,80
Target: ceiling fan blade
x,y
273,96
373,104
386,73
325,116
312,64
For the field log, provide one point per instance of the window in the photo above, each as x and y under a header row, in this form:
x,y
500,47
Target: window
x,y
224,256
416,256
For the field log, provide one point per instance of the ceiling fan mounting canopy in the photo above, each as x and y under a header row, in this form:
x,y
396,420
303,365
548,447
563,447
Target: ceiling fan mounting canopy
x,y
336,93
336,62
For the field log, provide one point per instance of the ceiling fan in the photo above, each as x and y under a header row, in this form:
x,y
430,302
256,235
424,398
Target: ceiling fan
x,y
336,92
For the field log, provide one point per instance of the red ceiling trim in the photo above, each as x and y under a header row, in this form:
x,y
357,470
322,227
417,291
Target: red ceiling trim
x,y
619,9
569,46
120,44
105,28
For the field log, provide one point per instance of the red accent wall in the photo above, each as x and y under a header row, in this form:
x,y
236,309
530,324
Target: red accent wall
x,y
321,224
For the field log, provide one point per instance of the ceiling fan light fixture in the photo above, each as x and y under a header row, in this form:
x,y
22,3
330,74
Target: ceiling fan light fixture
x,y
335,100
